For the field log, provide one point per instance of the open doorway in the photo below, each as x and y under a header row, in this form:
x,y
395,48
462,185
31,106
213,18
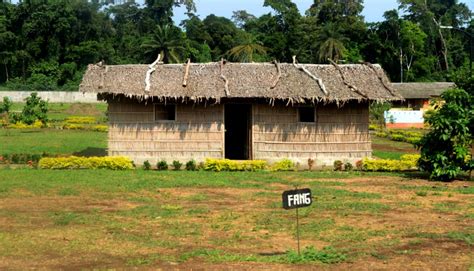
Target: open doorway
x,y
238,131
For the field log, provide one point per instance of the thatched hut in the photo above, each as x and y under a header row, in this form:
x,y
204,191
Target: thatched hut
x,y
266,111
418,95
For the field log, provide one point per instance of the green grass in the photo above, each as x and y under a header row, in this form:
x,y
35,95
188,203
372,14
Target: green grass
x,y
388,154
385,148
37,141
60,111
145,218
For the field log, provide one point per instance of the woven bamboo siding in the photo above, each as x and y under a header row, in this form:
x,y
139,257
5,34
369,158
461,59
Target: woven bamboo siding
x,y
197,132
340,133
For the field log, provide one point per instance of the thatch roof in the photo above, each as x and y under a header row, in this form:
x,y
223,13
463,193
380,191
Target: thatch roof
x,y
250,80
422,90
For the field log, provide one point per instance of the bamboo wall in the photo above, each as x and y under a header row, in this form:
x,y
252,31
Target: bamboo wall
x,y
338,134
196,134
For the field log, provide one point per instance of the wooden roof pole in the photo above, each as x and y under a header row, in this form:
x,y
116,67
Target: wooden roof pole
x,y
227,93
186,73
303,69
151,69
278,76
353,88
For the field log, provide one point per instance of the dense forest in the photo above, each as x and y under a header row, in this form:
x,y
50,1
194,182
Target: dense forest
x,y
47,44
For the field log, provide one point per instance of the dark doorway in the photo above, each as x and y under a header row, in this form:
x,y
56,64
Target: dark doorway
x,y
238,131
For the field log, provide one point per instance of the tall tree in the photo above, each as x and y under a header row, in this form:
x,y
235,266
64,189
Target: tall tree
x,y
167,41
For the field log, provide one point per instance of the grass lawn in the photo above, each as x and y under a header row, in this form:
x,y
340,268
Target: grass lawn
x,y
60,111
385,148
102,219
37,141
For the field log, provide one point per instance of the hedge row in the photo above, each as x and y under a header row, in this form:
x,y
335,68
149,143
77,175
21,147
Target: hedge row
x,y
73,162
407,162
230,165
400,135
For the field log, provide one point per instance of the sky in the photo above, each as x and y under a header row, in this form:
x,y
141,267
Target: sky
x,y
373,9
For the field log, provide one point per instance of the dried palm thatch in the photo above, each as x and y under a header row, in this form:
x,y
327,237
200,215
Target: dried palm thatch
x,y
243,80
422,90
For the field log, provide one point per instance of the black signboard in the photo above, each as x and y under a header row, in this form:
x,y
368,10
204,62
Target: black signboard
x,y
298,198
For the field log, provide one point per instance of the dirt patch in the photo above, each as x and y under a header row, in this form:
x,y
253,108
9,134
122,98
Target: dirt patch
x,y
159,227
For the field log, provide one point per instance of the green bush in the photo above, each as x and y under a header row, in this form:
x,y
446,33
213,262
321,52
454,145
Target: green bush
x,y
6,105
191,165
348,166
177,165
284,165
231,165
73,162
162,165
80,120
100,128
146,165
338,165
34,110
74,127
20,158
406,162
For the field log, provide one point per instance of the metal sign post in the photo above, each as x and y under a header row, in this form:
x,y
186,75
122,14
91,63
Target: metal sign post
x,y
295,199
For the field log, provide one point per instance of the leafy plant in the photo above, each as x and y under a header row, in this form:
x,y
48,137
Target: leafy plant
x,y
376,111
230,165
407,162
338,165
162,165
146,165
6,105
177,165
74,162
348,166
310,163
284,165
445,150
191,165
34,110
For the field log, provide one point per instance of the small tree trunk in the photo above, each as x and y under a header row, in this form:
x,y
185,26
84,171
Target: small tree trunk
x,y
6,72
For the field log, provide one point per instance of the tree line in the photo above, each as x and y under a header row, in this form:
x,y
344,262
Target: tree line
x,y
47,44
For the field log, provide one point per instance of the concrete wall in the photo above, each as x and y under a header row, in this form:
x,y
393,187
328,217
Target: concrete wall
x,y
404,119
53,96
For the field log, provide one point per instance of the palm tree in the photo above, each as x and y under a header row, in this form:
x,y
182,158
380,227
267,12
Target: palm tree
x,y
247,49
166,41
330,43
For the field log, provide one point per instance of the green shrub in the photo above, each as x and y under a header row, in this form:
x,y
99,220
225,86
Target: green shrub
x,y
80,120
338,165
100,128
191,165
34,109
230,165
146,165
162,165
6,105
20,125
284,165
406,162
177,165
73,162
348,166
74,127
381,134
20,158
